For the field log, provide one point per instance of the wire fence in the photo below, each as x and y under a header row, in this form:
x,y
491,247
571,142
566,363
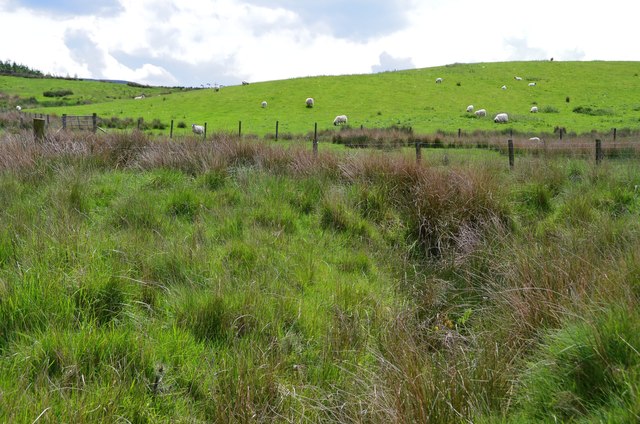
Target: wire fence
x,y
606,146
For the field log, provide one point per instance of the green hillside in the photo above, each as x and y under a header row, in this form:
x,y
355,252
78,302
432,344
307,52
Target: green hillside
x,y
581,96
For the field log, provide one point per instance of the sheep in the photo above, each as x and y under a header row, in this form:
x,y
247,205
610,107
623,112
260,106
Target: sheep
x,y
470,108
534,139
534,109
504,87
245,82
438,80
18,108
197,129
264,104
140,97
309,102
481,112
532,84
501,118
517,78
340,119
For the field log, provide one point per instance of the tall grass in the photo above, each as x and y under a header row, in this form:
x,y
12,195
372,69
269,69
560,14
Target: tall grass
x,y
239,281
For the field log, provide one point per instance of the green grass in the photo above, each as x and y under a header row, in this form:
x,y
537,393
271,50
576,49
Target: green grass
x,y
234,280
602,96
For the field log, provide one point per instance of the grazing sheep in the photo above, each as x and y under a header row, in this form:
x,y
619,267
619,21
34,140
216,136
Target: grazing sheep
x,y
534,139
197,129
264,104
504,87
501,118
470,108
18,108
245,82
309,102
140,97
340,120
534,109
438,80
481,112
517,78
532,84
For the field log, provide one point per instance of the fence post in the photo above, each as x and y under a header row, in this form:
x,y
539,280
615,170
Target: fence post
x,y
511,159
94,121
139,123
171,130
459,132
615,130
315,139
418,152
204,136
277,123
599,155
239,129
64,121
38,128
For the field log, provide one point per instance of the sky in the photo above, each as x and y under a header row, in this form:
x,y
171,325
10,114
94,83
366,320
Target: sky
x,y
197,43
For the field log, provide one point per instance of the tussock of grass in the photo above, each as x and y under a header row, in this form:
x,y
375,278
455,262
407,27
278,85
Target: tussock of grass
x,y
224,280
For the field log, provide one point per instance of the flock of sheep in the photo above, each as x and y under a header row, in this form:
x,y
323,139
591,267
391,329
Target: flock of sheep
x,y
343,120
309,102
500,117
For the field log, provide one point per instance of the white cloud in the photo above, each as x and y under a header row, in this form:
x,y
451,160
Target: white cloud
x,y
226,41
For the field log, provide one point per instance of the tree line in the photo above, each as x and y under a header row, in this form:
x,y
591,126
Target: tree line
x,y
13,68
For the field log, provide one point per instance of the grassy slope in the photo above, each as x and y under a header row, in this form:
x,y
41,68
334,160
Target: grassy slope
x,y
83,91
409,98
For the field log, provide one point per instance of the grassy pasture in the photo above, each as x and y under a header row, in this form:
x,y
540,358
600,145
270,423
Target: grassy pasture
x,y
605,94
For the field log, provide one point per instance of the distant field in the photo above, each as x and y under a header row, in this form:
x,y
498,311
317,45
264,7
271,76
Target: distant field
x,y
580,96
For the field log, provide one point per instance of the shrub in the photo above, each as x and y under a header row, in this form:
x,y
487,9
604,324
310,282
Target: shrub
x,y
57,93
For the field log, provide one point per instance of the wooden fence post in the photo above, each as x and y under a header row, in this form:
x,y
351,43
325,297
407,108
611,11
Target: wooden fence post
x,y
315,139
459,132
38,128
171,130
418,152
239,129
64,121
94,121
615,131
139,123
277,123
511,158
204,135
599,154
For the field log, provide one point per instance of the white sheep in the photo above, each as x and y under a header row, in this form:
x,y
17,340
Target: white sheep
x,y
197,129
309,102
517,78
532,84
501,118
18,108
438,80
534,109
264,104
245,82
340,120
140,97
481,112
470,108
534,139
504,87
